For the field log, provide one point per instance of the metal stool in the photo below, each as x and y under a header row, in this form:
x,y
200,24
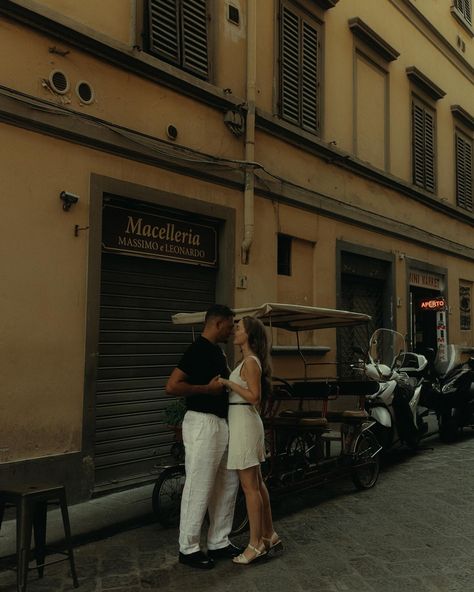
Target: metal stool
x,y
31,505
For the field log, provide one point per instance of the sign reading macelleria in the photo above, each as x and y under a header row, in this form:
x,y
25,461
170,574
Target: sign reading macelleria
x,y
161,237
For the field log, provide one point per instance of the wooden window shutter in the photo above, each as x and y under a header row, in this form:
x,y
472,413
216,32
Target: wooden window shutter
x,y
290,65
164,39
178,33
299,69
194,30
464,166
465,8
424,147
310,83
430,173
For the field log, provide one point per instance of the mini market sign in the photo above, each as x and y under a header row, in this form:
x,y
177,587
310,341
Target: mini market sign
x,y
159,237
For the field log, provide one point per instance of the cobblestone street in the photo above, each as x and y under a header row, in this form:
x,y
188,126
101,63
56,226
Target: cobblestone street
x,y
413,532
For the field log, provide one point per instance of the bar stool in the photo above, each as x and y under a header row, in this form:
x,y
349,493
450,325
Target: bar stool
x,y
31,505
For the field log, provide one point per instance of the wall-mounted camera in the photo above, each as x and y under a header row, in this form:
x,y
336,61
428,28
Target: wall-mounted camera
x,y
68,199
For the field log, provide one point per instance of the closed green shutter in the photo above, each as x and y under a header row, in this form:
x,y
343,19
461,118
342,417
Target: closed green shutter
x,y
424,146
178,33
464,167
299,69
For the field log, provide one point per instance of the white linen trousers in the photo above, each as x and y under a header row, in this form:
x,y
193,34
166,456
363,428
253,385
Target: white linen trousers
x,y
209,485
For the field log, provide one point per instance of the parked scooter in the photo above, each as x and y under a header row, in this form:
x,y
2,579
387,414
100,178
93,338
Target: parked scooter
x,y
449,390
394,406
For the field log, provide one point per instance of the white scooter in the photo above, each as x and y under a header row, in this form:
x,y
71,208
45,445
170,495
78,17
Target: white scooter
x,y
394,405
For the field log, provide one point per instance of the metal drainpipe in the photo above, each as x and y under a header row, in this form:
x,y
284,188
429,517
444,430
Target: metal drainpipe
x,y
250,129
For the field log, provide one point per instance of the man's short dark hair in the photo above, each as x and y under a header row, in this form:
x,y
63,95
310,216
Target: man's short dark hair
x,y
220,311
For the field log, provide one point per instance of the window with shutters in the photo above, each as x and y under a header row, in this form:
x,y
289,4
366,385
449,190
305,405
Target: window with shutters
x,y
464,171
423,145
178,33
464,7
300,71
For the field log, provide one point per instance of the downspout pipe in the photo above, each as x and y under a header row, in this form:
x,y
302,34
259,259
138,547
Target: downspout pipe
x,y
250,130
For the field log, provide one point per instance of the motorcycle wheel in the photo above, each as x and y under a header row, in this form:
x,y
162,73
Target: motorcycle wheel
x,y
448,428
166,498
366,477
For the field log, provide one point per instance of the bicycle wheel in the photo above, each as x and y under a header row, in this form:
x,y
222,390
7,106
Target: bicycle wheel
x,y
366,476
166,499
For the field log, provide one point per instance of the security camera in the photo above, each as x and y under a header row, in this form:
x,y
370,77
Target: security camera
x,y
68,199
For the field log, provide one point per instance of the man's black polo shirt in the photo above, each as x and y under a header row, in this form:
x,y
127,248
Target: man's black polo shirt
x,y
201,362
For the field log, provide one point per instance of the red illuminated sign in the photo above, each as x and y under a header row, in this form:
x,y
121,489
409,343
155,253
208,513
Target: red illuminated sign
x,y
433,304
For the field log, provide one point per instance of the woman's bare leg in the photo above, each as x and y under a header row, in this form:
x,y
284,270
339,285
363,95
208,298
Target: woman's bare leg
x,y
249,479
267,522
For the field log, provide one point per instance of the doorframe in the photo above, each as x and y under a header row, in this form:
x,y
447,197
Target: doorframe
x,y
99,186
390,311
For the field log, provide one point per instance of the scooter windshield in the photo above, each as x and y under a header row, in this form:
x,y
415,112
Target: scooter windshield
x,y
385,347
449,357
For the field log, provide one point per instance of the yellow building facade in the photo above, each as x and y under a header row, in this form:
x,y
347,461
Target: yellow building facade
x,y
158,156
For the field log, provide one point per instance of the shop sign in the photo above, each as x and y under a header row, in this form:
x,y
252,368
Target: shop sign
x,y
433,304
160,237
424,279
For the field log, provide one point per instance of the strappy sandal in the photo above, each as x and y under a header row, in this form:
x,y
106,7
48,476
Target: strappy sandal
x,y
273,543
243,560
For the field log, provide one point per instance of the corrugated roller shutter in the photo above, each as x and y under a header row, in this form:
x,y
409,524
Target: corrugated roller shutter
x,y
138,349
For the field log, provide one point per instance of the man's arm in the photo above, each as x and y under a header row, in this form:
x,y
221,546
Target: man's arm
x,y
178,386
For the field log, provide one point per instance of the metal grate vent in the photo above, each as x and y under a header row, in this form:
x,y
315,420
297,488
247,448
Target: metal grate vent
x,y
59,82
85,92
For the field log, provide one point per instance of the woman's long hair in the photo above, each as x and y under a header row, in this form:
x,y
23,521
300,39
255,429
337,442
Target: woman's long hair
x,y
258,343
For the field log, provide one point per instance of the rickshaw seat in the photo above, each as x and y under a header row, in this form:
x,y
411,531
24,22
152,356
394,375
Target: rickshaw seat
x,y
312,389
355,415
314,421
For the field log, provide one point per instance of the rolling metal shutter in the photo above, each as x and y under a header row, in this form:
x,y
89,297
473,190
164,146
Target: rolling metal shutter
x,y
138,349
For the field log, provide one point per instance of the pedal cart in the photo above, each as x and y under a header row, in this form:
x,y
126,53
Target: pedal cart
x,y
305,447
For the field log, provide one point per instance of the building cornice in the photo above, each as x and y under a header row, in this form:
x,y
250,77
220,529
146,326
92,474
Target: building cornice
x,y
361,30
407,8
424,83
58,122
463,116
311,144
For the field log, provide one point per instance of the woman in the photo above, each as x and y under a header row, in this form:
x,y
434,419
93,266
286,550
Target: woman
x,y
251,380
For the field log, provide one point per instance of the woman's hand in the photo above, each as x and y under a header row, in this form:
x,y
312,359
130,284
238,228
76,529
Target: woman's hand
x,y
223,381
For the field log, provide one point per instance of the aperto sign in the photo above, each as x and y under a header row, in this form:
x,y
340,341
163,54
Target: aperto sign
x,y
161,237
433,304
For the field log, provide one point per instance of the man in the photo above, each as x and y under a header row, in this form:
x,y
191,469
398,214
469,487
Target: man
x,y
209,486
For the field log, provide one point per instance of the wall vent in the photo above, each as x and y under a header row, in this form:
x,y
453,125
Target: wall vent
x,y
85,92
59,82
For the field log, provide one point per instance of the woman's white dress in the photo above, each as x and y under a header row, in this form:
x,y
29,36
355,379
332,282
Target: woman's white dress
x,y
246,436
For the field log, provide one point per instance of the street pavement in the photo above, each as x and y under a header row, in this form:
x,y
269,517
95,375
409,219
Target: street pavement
x,y
413,532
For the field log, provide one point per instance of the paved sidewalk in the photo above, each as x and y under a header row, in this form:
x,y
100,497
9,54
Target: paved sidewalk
x,y
413,532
